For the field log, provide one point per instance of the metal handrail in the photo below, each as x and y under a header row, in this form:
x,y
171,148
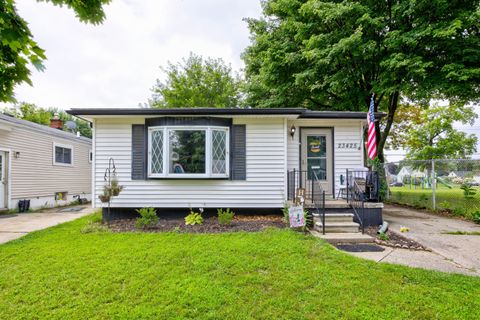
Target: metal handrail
x,y
313,190
318,198
357,202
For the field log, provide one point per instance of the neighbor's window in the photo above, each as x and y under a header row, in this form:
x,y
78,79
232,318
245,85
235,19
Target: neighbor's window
x,y
62,154
188,152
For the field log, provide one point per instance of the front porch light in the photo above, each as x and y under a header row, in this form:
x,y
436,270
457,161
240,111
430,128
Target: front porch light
x,y
292,131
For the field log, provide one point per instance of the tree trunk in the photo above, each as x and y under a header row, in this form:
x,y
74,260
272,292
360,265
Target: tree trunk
x,y
382,136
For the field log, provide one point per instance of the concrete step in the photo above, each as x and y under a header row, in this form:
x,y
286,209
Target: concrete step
x,y
336,238
334,217
330,204
338,227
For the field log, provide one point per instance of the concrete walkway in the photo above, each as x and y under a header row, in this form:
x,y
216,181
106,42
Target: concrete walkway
x,y
13,226
450,253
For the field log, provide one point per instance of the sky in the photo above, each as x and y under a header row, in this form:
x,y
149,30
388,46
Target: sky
x,y
115,64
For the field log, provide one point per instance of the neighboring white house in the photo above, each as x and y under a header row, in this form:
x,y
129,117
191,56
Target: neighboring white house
x,y
45,165
409,172
235,158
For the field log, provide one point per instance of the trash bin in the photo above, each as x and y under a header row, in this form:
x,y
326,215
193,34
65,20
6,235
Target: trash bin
x,y
21,205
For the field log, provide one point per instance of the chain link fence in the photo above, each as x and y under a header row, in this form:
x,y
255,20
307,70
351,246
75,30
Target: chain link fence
x,y
442,185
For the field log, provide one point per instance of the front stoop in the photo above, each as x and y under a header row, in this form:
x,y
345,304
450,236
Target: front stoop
x,y
341,222
337,238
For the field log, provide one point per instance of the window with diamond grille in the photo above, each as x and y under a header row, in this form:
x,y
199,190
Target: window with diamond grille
x,y
219,151
188,152
156,152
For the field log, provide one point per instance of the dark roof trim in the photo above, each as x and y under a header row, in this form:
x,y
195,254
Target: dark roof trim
x,y
182,111
300,112
338,115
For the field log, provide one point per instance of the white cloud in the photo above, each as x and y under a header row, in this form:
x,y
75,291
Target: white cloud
x,y
115,64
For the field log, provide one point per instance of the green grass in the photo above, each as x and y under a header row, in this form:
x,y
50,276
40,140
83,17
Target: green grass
x,y
446,199
62,273
464,233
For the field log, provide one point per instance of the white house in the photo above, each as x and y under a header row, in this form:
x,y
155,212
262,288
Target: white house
x,y
409,172
211,158
44,165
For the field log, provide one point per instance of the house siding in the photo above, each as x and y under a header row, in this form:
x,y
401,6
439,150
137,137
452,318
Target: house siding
x,y
264,186
344,131
33,174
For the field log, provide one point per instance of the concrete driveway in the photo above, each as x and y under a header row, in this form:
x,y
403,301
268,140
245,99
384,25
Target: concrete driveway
x,y
14,226
460,253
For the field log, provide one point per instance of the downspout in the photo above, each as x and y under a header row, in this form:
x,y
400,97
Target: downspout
x,y
94,167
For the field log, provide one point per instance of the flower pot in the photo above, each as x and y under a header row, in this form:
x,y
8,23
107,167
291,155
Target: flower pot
x,y
104,198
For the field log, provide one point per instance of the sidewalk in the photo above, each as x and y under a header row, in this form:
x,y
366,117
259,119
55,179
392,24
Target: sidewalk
x,y
450,253
14,226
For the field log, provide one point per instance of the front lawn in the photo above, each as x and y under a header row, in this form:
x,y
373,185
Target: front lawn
x,y
61,273
451,199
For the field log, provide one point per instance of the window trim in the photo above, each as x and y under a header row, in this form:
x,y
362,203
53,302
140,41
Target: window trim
x,y
208,152
65,146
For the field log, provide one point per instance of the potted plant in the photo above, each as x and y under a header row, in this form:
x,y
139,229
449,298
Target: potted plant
x,y
110,189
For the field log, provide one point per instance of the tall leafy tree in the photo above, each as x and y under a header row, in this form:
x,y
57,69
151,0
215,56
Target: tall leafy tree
x,y
197,82
433,136
30,112
19,51
333,54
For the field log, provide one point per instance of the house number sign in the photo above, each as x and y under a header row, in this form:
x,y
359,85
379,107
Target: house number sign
x,y
348,146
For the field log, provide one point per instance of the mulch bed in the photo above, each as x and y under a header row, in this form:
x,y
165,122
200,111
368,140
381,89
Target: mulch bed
x,y
395,240
210,225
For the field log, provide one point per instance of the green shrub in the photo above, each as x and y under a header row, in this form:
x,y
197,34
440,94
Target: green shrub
x,y
476,217
193,218
468,191
445,205
148,218
286,216
458,211
225,216
383,236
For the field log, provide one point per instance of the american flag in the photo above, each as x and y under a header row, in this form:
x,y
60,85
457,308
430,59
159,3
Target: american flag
x,y
372,140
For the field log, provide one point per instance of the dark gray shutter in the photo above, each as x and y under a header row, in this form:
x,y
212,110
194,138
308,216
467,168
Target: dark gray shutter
x,y
139,153
238,153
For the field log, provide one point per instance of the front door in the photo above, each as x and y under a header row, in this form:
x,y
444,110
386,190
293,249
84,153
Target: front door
x,y
316,157
3,179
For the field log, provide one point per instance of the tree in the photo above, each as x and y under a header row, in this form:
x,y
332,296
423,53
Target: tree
x,y
18,49
332,55
434,137
197,82
30,112
407,117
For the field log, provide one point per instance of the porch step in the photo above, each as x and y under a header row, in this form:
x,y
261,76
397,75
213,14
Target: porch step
x,y
336,238
338,227
330,204
334,217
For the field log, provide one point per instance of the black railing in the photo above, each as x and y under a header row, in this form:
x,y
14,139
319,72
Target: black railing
x,y
362,186
298,181
318,199
357,202
306,185
367,181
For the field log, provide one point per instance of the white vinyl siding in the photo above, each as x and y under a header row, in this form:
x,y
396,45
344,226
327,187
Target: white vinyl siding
x,y
344,131
33,173
264,186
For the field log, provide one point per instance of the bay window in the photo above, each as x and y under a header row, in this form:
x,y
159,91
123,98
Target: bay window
x,y
188,152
